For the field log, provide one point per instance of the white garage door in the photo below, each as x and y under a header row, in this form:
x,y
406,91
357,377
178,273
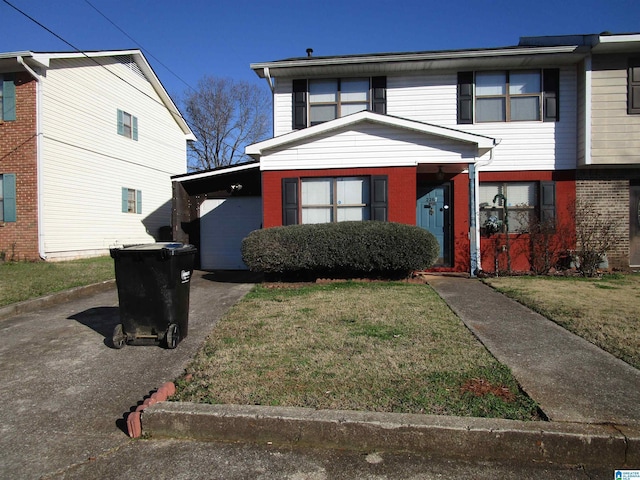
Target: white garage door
x,y
223,225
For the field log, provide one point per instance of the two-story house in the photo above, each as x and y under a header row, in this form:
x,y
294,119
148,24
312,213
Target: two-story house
x,y
450,141
88,143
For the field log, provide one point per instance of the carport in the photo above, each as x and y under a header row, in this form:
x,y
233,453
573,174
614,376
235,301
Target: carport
x,y
214,210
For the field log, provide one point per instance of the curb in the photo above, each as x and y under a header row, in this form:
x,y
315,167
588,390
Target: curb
x,y
54,299
477,439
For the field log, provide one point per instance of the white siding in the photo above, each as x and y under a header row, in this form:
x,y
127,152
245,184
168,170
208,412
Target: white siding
x,y
85,163
431,98
368,145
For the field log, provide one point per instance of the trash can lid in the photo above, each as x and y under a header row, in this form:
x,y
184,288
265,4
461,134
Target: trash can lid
x,y
171,248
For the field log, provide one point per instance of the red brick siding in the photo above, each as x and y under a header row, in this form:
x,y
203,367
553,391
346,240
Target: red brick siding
x,y
519,243
19,240
401,191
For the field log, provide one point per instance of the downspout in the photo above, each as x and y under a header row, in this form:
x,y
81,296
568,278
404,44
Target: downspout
x,y
38,79
587,110
267,75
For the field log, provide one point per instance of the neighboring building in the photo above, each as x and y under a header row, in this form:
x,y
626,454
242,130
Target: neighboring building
x,y
440,140
88,144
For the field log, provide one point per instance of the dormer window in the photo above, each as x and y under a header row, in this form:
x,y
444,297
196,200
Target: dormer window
x,y
320,100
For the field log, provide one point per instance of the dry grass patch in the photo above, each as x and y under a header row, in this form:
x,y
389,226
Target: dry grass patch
x,y
357,346
604,311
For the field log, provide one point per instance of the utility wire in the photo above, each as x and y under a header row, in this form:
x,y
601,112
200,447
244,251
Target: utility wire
x,y
91,58
138,44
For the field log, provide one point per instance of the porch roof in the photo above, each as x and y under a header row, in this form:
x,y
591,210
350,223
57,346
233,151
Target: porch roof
x,y
483,143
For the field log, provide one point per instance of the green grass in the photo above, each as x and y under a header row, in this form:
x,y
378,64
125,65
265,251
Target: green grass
x,y
21,281
388,347
605,311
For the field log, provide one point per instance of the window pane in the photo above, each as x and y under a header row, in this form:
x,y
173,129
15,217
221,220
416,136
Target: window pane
x,y
355,214
322,113
491,83
525,108
352,191
524,82
354,90
523,193
131,201
490,110
520,219
316,192
126,120
316,215
349,108
323,91
488,191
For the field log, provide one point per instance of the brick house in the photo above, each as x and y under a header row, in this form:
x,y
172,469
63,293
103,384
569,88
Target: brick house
x,y
88,143
456,142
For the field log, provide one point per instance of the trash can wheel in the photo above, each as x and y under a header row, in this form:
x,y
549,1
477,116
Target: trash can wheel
x,y
173,336
119,338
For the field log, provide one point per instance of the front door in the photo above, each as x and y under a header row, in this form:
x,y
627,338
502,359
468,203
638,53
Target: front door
x,y
634,225
433,213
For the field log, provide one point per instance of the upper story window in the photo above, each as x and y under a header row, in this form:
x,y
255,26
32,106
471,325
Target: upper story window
x,y
320,100
331,99
508,96
633,87
7,98
127,125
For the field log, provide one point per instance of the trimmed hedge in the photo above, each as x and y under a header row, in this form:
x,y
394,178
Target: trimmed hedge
x,y
340,249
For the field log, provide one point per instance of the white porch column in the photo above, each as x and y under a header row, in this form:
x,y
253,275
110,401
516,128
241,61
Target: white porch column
x,y
474,228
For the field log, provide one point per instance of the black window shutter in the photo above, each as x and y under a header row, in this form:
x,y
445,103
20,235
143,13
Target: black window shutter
x,y
379,202
379,89
299,104
289,201
465,97
633,86
547,202
551,94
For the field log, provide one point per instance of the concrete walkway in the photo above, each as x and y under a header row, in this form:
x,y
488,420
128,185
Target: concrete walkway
x,y
571,379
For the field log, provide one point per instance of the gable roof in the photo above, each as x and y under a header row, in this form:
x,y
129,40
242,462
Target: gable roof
x,y
30,61
482,142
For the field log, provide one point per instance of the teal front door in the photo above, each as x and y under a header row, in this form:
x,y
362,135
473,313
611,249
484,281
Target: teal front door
x,y
433,213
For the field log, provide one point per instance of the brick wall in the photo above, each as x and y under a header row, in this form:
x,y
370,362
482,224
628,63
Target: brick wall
x,y
608,190
19,239
401,191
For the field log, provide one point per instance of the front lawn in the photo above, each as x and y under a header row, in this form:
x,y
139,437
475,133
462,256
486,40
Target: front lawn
x,y
21,281
605,311
387,347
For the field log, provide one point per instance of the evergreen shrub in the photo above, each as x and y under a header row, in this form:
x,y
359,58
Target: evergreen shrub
x,y
342,249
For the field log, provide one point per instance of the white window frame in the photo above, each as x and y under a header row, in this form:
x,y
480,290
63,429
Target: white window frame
x,y
488,208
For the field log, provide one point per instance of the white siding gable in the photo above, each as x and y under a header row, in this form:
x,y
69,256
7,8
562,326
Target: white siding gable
x,y
85,163
368,145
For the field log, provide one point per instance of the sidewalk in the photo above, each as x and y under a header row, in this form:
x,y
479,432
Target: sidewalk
x,y
571,379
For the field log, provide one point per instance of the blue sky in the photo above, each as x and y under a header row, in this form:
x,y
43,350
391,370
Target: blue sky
x,y
211,37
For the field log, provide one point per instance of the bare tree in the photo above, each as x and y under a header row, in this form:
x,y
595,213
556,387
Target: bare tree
x,y
225,115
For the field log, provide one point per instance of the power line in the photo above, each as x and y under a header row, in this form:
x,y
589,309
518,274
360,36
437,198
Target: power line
x,y
91,58
138,44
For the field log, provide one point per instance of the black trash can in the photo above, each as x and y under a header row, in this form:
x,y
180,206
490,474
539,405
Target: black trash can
x,y
153,283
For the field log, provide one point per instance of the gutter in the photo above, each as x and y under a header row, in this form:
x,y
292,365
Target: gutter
x,y
37,78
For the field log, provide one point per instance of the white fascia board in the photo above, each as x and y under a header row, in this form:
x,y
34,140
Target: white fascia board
x,y
44,60
482,142
214,173
259,68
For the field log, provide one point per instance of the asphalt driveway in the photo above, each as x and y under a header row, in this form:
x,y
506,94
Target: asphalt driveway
x,y
65,393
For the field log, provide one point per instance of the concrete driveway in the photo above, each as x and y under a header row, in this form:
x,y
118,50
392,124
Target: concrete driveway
x,y
64,393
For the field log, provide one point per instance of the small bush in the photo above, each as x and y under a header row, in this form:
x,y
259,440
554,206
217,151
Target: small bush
x,y
340,249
